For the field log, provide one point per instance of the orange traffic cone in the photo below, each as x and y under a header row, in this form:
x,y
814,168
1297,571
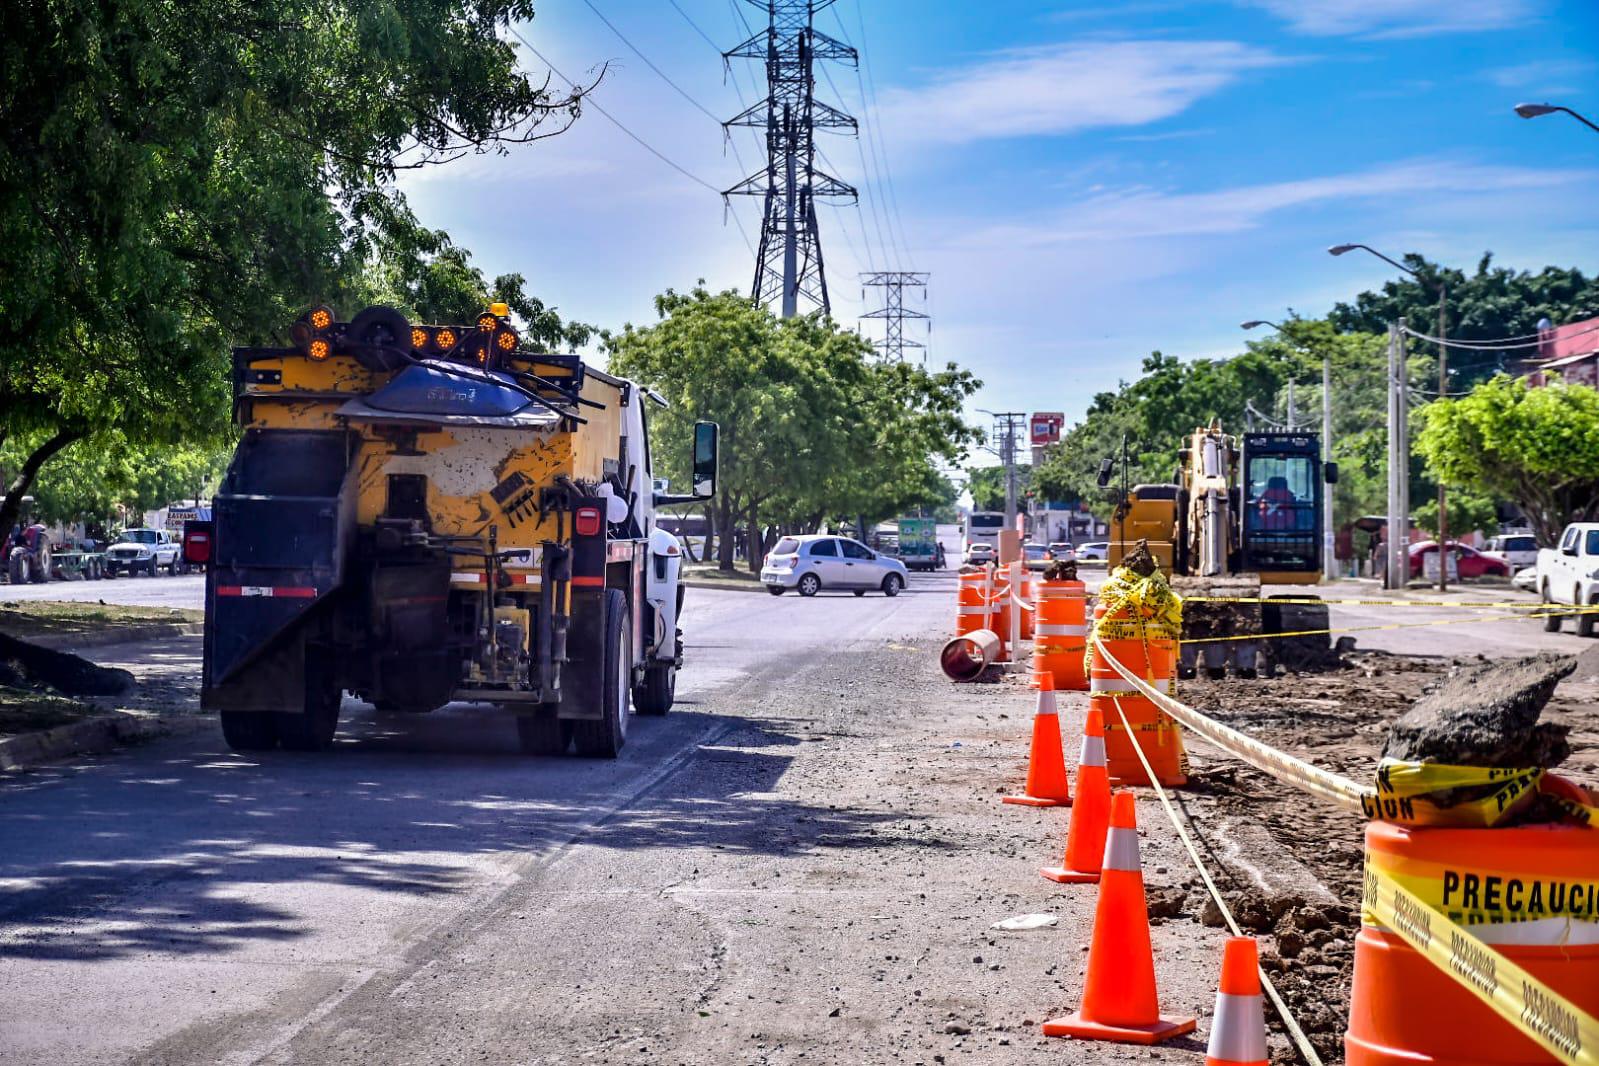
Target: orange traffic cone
x,y
1238,1032
1046,763
1119,1000
1085,837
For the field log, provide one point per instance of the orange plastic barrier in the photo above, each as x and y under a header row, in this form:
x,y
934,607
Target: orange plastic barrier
x,y
1085,836
1029,596
1238,1027
971,605
1153,730
1119,999
1531,894
1046,761
1061,635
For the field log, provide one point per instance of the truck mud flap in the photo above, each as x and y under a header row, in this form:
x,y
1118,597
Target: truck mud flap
x,y
284,521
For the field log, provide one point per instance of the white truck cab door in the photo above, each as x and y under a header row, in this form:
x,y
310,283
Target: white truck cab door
x,y
663,571
1563,576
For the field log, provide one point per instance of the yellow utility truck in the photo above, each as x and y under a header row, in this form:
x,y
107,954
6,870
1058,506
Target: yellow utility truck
x,y
421,514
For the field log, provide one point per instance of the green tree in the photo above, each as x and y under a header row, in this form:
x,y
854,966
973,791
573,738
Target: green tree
x,y
987,486
173,181
812,425
1490,304
1469,512
1536,446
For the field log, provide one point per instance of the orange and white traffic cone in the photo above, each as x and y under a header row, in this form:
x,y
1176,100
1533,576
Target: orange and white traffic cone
x,y
1119,1001
1238,1032
1085,837
1046,763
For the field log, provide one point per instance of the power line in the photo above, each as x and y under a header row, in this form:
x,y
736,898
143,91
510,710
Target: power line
x,y
1491,346
870,181
586,98
874,127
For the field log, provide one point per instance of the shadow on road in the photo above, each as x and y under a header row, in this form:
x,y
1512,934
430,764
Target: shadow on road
x,y
202,851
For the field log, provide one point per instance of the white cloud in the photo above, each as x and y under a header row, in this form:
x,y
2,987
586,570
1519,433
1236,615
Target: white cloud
x,y
1397,18
1546,76
1067,88
1143,213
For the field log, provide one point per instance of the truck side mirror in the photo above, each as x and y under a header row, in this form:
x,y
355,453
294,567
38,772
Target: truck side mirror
x,y
1330,473
1106,468
705,455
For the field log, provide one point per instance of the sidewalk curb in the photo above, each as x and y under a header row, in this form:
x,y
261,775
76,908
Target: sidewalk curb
x,y
89,736
116,635
725,586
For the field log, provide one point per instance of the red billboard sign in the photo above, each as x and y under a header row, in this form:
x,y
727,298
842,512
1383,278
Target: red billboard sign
x,y
1046,427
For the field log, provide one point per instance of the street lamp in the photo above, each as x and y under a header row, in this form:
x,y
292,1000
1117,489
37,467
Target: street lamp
x,y
1329,565
1536,110
1443,385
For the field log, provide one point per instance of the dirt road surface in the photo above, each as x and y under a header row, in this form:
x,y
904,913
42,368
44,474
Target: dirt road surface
x,y
800,865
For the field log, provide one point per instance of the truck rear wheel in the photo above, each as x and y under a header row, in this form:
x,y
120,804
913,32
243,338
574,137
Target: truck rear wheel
x,y
250,730
602,738
1586,621
655,694
543,734
313,729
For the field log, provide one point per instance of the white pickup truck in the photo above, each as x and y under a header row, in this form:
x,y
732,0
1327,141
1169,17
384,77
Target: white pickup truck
x,y
1569,574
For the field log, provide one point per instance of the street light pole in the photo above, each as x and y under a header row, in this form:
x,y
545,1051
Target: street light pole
x,y
1443,376
1535,110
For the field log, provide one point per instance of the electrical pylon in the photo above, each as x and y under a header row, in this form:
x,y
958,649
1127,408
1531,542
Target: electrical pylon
x,y
788,264
893,313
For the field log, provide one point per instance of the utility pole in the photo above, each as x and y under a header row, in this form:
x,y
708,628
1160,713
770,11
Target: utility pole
x,y
1007,425
893,313
1329,563
788,265
1443,393
1293,411
1398,461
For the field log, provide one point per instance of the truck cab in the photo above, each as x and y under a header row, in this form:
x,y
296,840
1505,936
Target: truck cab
x,y
425,514
1569,574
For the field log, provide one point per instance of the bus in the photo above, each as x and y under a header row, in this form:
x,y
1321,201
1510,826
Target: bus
x,y
982,527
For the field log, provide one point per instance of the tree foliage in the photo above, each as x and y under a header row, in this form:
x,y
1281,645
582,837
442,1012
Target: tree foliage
x,y
812,426
105,476
1536,446
1489,304
175,179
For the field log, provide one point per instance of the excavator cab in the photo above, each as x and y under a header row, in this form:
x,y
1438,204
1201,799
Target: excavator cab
x,y
1283,485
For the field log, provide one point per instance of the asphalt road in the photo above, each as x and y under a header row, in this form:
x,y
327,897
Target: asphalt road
x,y
423,892
159,591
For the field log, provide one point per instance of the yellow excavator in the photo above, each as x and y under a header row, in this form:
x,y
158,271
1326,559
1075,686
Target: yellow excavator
x,y
1241,512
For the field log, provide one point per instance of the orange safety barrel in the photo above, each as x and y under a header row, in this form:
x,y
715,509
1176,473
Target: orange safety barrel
x,y
1532,894
1029,597
971,603
1154,660
1060,634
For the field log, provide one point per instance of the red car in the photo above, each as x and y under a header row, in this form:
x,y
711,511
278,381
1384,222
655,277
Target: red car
x,y
1472,563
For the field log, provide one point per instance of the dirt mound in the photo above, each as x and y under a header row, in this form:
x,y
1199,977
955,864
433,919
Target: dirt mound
x,y
31,666
1487,715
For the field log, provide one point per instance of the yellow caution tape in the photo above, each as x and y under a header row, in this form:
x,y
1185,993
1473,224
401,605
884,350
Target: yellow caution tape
x,y
1311,601
1367,629
1531,1006
1403,789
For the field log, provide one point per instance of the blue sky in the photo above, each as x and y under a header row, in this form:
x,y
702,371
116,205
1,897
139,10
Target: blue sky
x,y
1085,182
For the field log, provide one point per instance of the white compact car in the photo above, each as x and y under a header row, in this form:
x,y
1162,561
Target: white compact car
x,y
144,550
1096,551
811,563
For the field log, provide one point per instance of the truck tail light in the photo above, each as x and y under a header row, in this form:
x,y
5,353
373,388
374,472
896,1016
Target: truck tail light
x,y
197,548
588,521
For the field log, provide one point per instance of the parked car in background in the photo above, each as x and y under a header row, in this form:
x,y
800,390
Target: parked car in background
x,y
981,554
144,551
1062,552
1096,550
811,563
1468,561
1526,578
1569,574
1515,549
1035,556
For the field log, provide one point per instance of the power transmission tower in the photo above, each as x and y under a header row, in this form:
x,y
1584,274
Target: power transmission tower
x,y
893,313
788,264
